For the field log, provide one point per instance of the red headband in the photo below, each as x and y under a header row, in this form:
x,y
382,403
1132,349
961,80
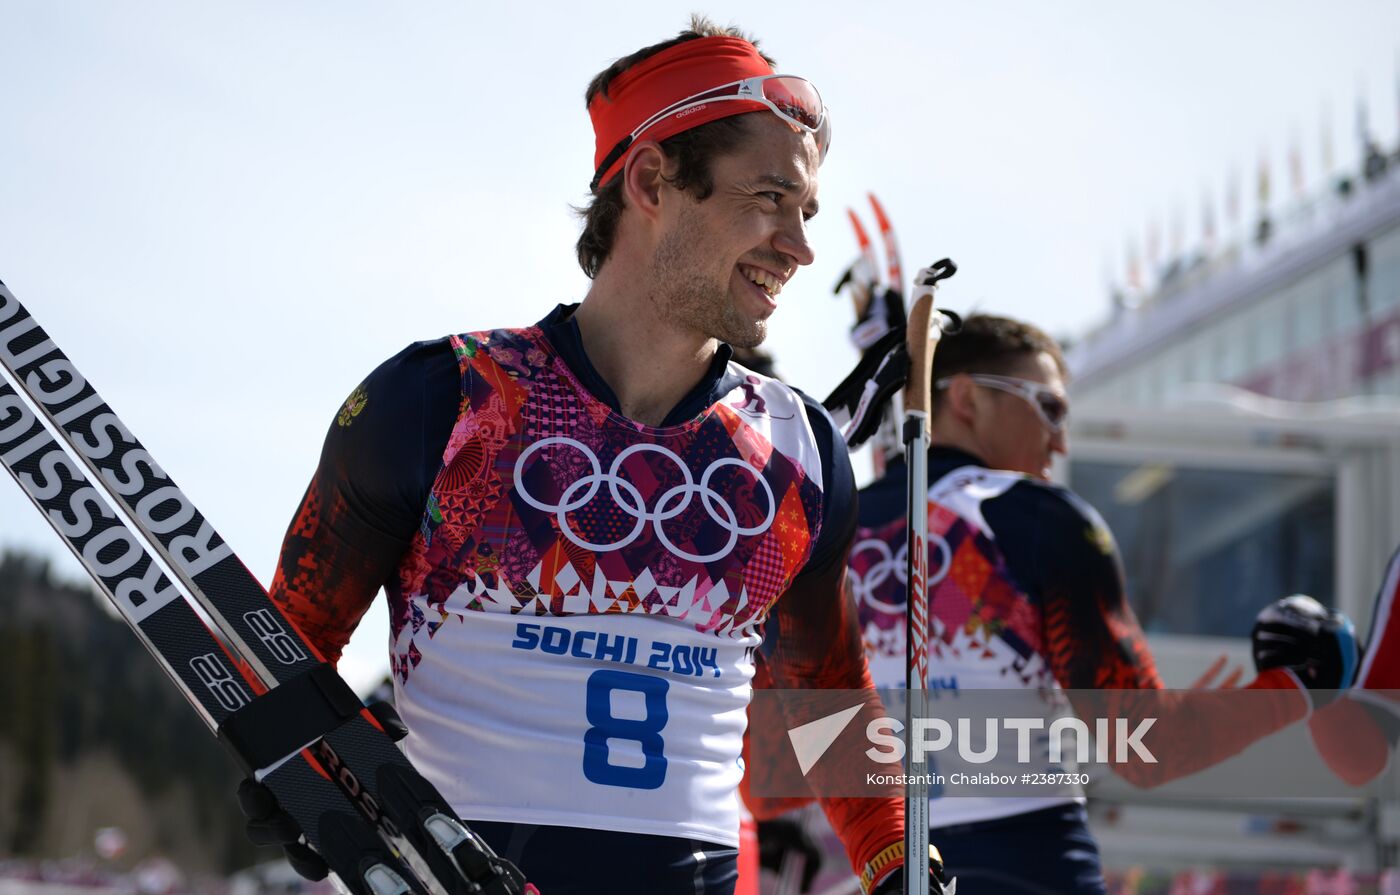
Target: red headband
x,y
681,71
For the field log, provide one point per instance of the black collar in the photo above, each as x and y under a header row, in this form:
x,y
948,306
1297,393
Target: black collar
x,y
952,457
561,329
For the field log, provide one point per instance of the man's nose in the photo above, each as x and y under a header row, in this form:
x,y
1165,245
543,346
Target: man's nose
x,y
792,241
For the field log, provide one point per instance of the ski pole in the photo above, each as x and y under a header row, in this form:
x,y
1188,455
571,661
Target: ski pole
x,y
922,339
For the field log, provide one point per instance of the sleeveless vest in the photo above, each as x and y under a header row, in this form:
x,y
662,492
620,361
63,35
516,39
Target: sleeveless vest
x,y
573,627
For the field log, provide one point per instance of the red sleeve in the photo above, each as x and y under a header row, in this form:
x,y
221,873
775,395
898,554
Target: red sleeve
x,y
1094,643
365,502
1351,738
324,582
814,643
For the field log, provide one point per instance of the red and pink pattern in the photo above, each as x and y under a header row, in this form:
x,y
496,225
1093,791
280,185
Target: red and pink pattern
x,y
973,599
550,503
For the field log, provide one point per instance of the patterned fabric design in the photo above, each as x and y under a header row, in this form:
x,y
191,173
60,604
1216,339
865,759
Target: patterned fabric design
x,y
301,573
548,503
977,613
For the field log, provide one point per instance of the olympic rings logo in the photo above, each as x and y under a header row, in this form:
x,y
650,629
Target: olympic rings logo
x,y
630,500
889,562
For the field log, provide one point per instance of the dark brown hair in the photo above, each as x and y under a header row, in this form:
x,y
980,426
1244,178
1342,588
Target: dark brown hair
x,y
693,151
991,344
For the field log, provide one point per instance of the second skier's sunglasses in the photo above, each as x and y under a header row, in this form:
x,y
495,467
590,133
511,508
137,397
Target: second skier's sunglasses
x,y
791,98
1049,404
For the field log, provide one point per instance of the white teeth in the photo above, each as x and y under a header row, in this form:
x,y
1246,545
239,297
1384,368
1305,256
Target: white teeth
x,y
771,284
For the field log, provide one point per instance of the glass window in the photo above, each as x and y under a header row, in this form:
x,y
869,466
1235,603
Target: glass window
x,y
1168,367
1319,311
1126,385
1339,279
1205,549
1216,358
1309,316
1383,270
1194,367
1268,324
1143,388
1235,362
1156,384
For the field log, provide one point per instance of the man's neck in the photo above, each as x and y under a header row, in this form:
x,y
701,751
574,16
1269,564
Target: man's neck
x,y
944,433
648,362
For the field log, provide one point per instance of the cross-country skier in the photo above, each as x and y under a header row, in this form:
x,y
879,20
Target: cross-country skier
x,y
1026,594
584,526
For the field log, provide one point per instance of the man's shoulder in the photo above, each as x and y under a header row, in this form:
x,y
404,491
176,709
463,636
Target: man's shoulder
x,y
506,336
1062,518
416,360
1050,498
774,391
791,415
1009,499
441,357
1057,503
421,374
1008,487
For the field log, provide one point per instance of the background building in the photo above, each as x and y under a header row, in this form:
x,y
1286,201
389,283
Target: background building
x,y
1311,312
1238,425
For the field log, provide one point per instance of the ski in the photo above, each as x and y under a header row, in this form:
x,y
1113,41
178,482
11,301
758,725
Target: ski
x,y
879,307
199,665
290,721
865,272
894,267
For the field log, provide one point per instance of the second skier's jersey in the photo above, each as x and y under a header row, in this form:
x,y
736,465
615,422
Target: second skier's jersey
x,y
589,592
984,630
1023,600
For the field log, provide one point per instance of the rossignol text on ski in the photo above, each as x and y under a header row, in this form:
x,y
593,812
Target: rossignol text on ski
x,y
290,721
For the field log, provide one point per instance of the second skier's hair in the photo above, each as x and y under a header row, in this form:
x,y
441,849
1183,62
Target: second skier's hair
x,y
692,150
987,343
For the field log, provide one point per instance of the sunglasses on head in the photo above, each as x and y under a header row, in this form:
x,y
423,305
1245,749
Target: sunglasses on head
x,y
1049,404
791,98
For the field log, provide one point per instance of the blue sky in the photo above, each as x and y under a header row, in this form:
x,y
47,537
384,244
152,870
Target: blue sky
x,y
227,213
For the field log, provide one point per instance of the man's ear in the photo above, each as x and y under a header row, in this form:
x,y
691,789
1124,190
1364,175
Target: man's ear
x,y
959,399
643,178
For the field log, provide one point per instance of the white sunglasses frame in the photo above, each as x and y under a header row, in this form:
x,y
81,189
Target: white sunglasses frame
x,y
748,89
1026,389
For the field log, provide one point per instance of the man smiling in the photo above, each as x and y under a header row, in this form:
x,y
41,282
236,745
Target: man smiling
x,y
585,525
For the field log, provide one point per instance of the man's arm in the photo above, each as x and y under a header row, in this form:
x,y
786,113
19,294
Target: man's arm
x,y
1092,637
1093,642
366,499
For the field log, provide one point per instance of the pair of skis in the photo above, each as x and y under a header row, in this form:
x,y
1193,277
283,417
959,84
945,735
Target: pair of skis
x,y
878,303
290,721
864,274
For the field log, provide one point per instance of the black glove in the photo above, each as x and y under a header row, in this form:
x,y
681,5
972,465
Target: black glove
x,y
863,396
938,882
1316,643
858,403
483,870
269,825
782,838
